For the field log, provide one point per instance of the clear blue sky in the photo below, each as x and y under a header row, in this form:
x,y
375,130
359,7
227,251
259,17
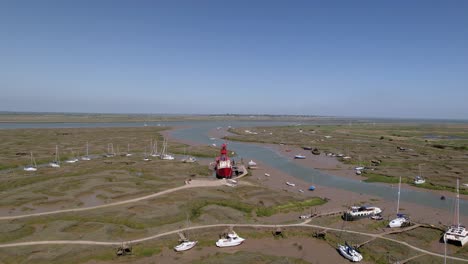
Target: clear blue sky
x,y
345,58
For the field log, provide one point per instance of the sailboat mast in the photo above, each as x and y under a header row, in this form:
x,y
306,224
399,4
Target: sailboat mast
x,y
398,203
87,149
457,212
151,147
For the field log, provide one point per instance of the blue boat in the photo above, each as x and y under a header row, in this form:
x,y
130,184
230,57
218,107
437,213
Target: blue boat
x,y
311,188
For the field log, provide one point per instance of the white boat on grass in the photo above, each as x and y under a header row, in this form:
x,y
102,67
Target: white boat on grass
x,y
457,234
128,154
290,184
299,156
401,219
110,151
73,159
188,159
230,240
419,179
154,149
185,245
164,155
349,252
267,174
146,158
56,162
86,157
32,166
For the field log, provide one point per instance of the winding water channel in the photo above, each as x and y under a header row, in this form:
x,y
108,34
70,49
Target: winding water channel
x,y
197,131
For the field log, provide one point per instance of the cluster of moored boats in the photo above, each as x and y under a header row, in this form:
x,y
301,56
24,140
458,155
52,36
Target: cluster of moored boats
x,y
164,155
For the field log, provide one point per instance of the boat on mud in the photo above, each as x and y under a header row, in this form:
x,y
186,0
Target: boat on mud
x,y
349,252
32,166
230,240
359,212
401,220
457,234
186,245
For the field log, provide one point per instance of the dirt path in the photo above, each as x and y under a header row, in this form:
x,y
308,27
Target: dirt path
x,y
304,224
192,184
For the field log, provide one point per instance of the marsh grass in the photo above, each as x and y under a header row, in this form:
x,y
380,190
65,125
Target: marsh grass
x,y
290,206
365,142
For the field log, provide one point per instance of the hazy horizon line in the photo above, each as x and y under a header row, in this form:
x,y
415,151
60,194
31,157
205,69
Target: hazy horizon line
x,y
231,114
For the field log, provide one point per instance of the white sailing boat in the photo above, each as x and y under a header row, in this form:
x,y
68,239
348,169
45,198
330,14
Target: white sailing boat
x,y
154,149
86,157
230,240
185,243
56,162
146,158
457,233
401,219
32,166
128,154
164,155
349,252
188,159
73,158
110,150
419,179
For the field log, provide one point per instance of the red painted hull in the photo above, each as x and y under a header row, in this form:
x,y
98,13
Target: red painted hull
x,y
224,173
223,164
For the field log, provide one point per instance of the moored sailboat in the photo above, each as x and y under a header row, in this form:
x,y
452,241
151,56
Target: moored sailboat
x,y
185,243
401,219
419,179
73,159
128,154
457,234
86,157
164,155
56,162
32,166
349,252
110,151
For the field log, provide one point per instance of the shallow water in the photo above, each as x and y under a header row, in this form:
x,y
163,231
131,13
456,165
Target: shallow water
x,y
268,156
198,132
